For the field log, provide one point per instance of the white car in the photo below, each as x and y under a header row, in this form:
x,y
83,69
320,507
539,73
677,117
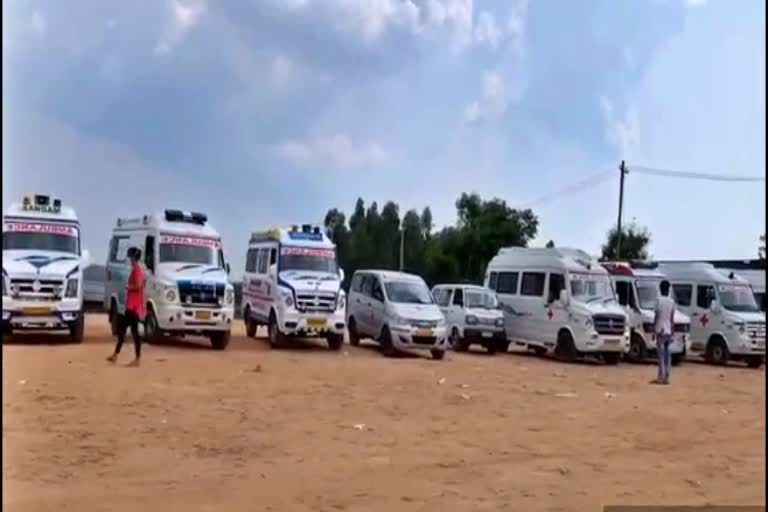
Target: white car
x,y
397,310
473,316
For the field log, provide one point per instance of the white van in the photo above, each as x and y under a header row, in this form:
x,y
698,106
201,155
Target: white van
x,y
187,286
637,290
43,268
397,310
726,322
473,316
292,284
559,300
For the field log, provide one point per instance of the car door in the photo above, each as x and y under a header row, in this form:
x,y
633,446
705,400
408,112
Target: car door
x,y
377,307
556,314
361,305
535,312
702,321
684,298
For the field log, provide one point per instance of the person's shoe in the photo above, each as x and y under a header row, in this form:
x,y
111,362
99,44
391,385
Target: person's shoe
x,y
134,363
112,358
657,381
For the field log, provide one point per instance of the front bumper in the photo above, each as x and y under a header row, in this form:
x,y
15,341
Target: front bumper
x,y
681,344
748,347
38,315
407,337
605,343
484,334
178,318
295,323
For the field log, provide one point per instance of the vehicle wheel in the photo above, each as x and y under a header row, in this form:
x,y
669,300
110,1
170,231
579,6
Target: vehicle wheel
x,y
250,325
502,346
354,336
438,354
637,351
77,329
152,332
335,341
490,348
219,339
7,331
677,359
717,352
458,344
385,342
611,358
565,350
755,361
114,319
276,338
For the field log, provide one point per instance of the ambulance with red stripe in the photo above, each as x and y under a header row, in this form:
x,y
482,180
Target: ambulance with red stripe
x,y
43,266
292,284
187,276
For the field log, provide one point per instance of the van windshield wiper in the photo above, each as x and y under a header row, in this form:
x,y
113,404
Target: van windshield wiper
x,y
212,269
187,267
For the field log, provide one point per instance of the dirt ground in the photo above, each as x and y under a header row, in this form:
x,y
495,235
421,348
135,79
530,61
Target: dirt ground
x,y
305,429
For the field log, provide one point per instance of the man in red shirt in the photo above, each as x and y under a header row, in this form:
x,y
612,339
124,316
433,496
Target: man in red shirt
x,y
134,308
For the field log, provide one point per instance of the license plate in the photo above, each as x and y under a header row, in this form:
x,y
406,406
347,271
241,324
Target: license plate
x,y
316,323
203,315
612,342
487,335
36,311
424,332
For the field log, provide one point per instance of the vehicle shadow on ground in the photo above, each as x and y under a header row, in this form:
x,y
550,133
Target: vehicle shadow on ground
x,y
731,365
38,339
372,347
548,358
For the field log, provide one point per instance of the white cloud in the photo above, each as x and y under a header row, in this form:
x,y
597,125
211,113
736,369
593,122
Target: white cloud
x,y
186,15
516,24
337,151
493,102
39,23
695,3
623,131
486,30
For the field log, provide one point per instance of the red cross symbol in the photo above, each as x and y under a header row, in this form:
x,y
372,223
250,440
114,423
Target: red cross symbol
x,y
549,313
704,320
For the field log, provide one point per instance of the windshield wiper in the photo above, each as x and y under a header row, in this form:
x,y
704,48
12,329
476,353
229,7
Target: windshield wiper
x,y
187,267
212,269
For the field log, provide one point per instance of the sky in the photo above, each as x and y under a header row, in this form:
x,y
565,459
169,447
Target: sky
x,y
270,112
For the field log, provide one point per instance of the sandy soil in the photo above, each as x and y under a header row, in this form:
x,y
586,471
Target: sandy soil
x,y
305,429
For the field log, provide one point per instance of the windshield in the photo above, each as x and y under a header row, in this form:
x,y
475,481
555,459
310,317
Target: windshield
x,y
591,287
738,298
478,299
648,293
196,251
408,292
41,237
304,258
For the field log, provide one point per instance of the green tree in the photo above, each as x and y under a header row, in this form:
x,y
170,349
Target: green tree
x,y
634,243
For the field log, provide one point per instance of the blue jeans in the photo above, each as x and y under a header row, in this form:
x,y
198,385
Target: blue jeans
x,y
663,341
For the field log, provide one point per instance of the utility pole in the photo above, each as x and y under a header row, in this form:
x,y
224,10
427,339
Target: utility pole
x,y
402,247
622,172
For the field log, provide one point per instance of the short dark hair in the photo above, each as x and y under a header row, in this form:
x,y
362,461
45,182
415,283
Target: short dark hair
x,y
134,253
664,287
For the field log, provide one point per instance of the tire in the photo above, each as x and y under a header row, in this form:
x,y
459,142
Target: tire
x,y
7,331
219,339
755,361
457,343
335,341
502,346
565,350
637,351
717,352
250,325
611,358
385,343
490,348
152,331
437,354
276,338
677,359
77,329
354,336
539,351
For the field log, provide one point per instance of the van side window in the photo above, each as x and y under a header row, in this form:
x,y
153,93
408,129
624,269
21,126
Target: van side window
x,y
119,249
263,261
356,284
683,293
493,280
556,284
458,297
367,286
378,292
532,284
507,283
623,291
705,294
272,256
149,253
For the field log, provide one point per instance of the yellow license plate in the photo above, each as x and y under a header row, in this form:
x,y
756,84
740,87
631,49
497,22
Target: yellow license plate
x,y
424,332
612,342
36,311
316,323
203,315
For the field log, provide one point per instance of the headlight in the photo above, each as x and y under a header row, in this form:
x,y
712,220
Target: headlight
x,y
229,296
741,327
71,288
170,295
470,319
399,320
588,323
341,301
287,298
499,322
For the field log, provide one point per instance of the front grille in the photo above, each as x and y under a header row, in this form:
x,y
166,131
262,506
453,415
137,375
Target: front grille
x,y
756,330
201,294
424,324
47,289
423,340
682,327
316,302
486,321
609,324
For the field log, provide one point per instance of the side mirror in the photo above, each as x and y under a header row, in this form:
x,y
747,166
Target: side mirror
x,y
272,271
85,258
227,268
714,306
563,298
341,274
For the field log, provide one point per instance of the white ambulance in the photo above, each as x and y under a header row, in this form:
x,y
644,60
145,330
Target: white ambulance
x,y
637,290
187,284
292,284
726,322
43,267
559,300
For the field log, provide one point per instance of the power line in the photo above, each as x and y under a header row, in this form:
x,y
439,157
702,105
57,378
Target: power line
x,y
583,184
639,169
